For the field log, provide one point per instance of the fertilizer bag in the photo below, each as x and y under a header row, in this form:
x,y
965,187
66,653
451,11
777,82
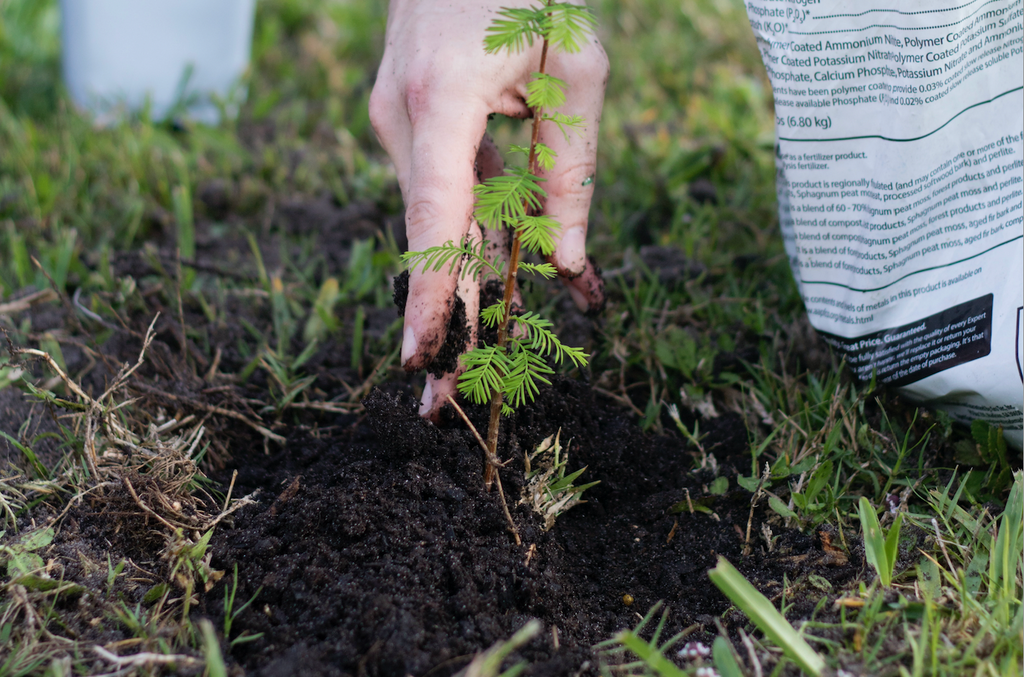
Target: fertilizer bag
x,y
899,173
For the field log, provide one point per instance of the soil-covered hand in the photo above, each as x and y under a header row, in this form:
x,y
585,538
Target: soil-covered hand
x,y
435,89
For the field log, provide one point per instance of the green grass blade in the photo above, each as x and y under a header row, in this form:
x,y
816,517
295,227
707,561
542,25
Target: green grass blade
x,y
892,543
211,650
650,655
30,456
764,615
874,543
1006,549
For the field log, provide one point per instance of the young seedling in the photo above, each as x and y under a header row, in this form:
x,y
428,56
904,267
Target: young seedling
x,y
881,551
507,374
549,491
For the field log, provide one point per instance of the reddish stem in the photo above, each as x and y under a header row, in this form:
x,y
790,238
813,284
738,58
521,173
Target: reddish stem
x,y
510,284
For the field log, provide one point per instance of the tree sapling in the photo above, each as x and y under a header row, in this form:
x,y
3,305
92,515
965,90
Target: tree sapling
x,y
507,373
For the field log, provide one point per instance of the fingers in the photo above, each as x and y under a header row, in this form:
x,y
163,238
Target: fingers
x,y
570,184
438,388
587,290
439,208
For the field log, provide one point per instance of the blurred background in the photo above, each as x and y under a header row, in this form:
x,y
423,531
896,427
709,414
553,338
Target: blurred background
x,y
687,102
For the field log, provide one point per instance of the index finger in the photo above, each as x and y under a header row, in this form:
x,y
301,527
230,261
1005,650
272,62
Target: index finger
x,y
439,209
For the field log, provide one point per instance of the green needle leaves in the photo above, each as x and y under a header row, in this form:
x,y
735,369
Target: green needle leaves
x,y
563,25
502,201
545,91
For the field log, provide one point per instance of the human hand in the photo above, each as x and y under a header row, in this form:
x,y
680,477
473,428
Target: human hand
x,y
429,107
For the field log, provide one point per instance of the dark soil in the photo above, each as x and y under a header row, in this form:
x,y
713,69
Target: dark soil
x,y
446,361
376,551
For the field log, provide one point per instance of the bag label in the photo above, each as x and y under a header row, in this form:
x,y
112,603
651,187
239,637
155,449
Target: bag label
x,y
900,174
914,351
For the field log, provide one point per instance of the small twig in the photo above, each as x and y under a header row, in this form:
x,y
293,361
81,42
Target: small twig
x,y
141,659
361,392
754,662
227,499
472,428
240,503
331,407
214,410
621,399
504,507
146,508
212,373
62,296
491,462
26,302
753,504
126,372
942,545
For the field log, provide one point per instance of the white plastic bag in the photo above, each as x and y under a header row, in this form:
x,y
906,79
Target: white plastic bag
x,y
900,132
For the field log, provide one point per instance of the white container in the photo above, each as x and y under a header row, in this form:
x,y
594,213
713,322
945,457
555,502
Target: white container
x,y
119,54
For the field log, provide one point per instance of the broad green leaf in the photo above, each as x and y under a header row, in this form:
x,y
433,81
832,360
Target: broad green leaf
x,y
748,483
781,508
23,563
874,542
40,538
722,656
719,486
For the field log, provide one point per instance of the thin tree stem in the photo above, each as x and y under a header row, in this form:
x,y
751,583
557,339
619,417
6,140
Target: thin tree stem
x,y
510,284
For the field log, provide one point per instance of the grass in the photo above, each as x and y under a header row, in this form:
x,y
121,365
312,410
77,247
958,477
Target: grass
x,y
687,101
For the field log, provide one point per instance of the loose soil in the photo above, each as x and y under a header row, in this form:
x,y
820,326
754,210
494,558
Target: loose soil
x,y
376,550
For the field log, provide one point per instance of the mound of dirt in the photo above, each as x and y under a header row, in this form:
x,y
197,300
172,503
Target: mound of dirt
x,y
376,550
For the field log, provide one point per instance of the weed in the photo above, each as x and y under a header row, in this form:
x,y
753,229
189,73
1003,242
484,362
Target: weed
x,y
112,573
488,663
20,556
549,491
231,613
651,653
880,550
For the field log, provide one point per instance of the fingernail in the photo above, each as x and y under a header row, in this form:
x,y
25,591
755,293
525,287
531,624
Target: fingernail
x,y
409,344
582,302
572,251
427,401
